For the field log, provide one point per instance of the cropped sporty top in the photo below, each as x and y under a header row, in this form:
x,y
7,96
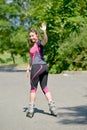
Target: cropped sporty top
x,y
36,54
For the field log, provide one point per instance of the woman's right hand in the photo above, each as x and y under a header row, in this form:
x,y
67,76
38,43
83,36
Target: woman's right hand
x,y
28,70
27,73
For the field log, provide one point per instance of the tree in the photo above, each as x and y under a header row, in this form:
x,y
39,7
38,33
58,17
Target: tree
x,y
13,32
64,19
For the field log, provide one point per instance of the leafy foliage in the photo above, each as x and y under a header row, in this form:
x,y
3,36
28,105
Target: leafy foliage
x,y
72,54
66,28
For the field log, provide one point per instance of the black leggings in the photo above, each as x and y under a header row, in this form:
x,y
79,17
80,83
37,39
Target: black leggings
x,y
39,73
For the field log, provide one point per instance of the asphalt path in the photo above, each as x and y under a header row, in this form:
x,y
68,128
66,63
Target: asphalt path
x,y
69,91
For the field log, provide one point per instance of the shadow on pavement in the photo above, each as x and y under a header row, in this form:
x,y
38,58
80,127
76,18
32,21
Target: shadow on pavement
x,y
73,115
37,111
11,68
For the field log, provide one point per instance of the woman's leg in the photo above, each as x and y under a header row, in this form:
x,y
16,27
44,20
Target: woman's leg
x,y
48,96
34,78
43,83
32,97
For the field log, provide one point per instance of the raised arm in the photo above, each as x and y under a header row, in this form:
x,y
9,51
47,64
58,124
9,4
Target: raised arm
x,y
45,39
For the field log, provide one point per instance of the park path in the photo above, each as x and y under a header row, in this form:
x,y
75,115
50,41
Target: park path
x,y
69,91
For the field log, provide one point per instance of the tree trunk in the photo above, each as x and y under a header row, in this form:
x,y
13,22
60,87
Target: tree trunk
x,y
13,58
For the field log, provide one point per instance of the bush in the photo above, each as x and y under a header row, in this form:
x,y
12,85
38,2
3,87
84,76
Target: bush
x,y
72,54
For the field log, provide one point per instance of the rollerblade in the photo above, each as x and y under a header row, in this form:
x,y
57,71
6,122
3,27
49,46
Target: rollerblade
x,y
52,108
30,112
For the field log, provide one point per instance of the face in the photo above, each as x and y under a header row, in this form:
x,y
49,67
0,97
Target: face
x,y
33,37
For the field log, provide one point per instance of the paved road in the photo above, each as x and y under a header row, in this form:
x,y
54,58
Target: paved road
x,y
69,91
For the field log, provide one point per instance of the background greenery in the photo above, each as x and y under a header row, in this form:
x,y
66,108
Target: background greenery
x,y
66,28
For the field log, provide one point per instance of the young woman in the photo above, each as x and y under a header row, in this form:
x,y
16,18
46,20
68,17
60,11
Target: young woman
x,y
38,70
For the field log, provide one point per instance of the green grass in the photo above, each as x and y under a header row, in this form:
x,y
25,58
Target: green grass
x,y
5,59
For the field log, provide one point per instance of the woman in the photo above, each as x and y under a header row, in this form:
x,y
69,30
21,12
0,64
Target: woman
x,y
38,70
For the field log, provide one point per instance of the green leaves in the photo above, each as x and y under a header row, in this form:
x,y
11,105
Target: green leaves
x,y
66,22
73,52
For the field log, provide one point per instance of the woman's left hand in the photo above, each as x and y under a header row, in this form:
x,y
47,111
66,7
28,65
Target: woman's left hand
x,y
27,73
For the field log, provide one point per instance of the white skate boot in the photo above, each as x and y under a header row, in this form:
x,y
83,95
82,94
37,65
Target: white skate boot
x,y
52,108
30,112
